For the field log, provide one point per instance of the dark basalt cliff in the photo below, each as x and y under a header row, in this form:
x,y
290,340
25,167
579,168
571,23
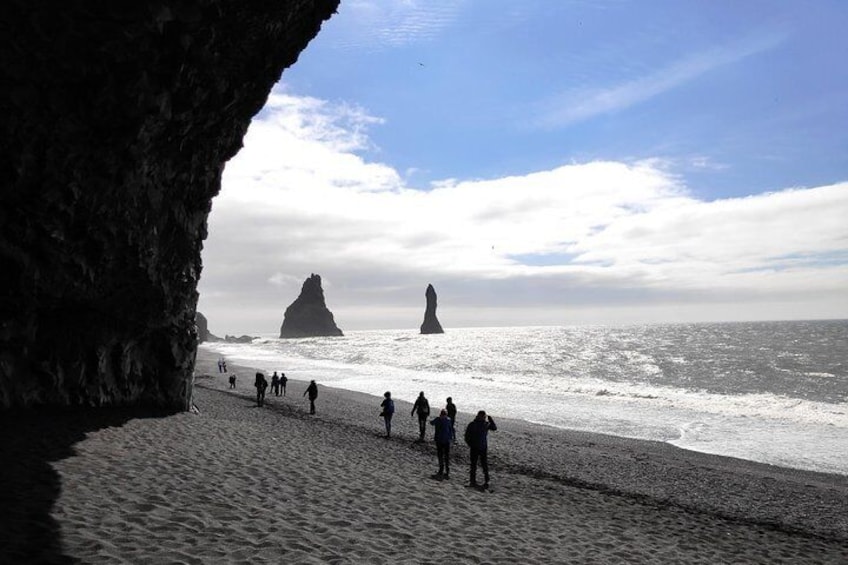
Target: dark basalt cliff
x,y
431,323
203,333
202,327
308,315
116,119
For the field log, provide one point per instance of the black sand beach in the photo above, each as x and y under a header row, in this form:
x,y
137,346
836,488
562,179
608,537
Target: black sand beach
x,y
239,484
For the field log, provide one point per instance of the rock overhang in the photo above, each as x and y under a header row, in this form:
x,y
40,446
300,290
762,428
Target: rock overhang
x,y
117,121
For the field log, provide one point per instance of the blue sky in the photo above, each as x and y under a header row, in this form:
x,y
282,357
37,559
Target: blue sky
x,y
545,162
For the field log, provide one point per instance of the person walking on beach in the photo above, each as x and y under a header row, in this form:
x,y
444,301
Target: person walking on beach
x,y
444,437
275,384
283,381
388,406
233,380
312,391
451,410
261,384
224,364
422,407
220,364
476,436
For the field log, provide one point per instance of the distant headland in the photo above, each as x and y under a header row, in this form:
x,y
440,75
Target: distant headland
x,y
204,335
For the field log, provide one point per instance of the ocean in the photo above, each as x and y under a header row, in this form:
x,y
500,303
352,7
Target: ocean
x,y
773,392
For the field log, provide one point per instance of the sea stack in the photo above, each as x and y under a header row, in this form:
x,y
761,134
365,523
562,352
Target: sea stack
x,y
431,324
308,316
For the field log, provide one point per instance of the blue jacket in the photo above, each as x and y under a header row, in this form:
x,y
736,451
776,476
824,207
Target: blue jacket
x,y
477,432
444,430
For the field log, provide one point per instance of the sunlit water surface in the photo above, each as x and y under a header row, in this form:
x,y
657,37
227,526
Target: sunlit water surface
x,y
774,392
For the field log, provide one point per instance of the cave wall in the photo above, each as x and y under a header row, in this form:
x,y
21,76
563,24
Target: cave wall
x,y
116,119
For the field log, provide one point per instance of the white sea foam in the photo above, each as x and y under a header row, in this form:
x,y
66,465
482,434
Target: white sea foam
x,y
678,384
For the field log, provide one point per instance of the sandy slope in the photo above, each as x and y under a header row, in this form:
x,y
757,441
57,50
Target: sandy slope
x,y
240,484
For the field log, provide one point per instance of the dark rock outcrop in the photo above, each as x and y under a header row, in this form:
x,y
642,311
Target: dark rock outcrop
x,y
203,333
202,325
239,339
116,119
308,316
431,323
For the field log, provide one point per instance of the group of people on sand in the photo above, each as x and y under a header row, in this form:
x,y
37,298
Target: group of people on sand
x,y
278,386
444,435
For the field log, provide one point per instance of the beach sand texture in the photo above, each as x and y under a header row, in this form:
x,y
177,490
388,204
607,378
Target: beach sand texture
x,y
239,484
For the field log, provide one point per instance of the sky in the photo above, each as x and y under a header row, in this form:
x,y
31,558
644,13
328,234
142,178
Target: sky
x,y
545,162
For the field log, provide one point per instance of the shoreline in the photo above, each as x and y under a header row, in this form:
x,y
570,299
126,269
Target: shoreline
x,y
799,430
233,483
652,472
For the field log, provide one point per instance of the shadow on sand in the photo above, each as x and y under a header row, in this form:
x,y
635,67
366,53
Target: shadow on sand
x,y
30,440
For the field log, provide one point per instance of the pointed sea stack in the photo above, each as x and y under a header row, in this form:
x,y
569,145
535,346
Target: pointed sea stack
x,y
431,324
308,316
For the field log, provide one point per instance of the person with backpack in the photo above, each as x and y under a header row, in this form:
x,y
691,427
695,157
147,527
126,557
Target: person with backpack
x,y
388,406
422,407
261,384
312,391
451,410
476,436
444,438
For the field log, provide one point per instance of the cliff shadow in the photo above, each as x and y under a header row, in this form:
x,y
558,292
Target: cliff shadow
x,y
29,485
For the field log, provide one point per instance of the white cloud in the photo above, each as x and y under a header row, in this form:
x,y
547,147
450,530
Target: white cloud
x,y
735,244
297,137
376,24
589,101
705,163
298,199
285,280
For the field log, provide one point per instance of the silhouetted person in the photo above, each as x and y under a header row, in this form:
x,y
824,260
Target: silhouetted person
x,y
451,410
444,438
476,435
312,391
275,384
261,384
388,406
233,380
224,365
283,380
422,407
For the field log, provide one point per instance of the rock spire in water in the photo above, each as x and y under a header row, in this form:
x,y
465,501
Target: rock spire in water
x,y
431,324
308,316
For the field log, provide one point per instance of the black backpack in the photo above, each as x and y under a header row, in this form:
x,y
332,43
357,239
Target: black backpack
x,y
468,433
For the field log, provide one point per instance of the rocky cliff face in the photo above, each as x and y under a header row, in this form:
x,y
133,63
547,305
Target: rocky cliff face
x,y
116,119
203,333
202,327
431,323
308,315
